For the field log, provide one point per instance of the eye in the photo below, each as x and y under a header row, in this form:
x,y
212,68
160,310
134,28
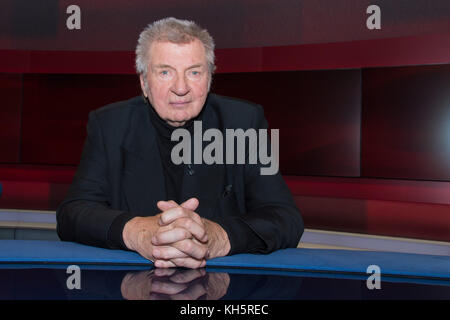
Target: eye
x,y
195,73
164,72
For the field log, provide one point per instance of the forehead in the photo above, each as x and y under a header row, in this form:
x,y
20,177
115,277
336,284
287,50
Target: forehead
x,y
177,54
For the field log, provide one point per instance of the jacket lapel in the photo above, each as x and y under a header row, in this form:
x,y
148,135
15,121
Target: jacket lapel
x,y
143,180
205,182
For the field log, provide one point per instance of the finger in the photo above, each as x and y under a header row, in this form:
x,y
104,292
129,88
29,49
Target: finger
x,y
180,262
192,248
164,272
166,205
158,296
191,204
167,287
170,236
187,276
173,214
167,253
189,263
195,229
164,264
194,292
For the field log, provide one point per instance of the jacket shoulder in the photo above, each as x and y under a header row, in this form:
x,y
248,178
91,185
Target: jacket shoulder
x,y
232,102
114,118
236,112
119,108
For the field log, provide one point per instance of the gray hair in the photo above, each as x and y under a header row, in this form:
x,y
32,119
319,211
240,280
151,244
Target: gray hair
x,y
175,31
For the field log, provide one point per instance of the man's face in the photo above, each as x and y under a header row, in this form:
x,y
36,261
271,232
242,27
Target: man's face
x,y
177,79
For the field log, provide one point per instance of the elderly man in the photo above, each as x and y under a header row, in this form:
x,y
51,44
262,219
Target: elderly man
x,y
129,194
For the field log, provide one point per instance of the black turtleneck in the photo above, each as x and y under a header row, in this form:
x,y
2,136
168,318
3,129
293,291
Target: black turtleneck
x,y
173,173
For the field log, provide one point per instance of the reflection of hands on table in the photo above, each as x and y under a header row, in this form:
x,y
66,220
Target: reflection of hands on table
x,y
174,284
177,237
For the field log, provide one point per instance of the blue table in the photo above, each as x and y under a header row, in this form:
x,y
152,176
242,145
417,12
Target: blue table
x,y
284,274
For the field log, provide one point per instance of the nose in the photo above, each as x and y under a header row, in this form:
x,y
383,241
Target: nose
x,y
180,87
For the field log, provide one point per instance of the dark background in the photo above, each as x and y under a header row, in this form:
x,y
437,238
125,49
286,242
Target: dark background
x,y
364,115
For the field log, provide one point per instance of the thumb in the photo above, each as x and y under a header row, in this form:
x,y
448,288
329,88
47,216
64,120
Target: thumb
x,y
166,205
191,204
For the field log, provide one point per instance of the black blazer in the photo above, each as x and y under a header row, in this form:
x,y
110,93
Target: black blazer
x,y
120,172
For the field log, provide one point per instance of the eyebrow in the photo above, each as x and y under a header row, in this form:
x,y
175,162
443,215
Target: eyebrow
x,y
195,66
163,66
160,66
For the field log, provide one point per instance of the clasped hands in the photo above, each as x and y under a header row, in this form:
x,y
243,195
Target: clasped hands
x,y
176,237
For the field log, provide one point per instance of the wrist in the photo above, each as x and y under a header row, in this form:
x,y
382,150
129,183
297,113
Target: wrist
x,y
218,243
115,232
129,233
137,232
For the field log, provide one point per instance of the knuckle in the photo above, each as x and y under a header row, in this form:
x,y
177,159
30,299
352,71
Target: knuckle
x,y
181,262
184,234
187,246
162,254
160,238
155,239
179,211
187,223
163,217
161,264
195,216
166,255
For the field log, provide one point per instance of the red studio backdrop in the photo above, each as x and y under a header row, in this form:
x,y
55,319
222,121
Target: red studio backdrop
x,y
364,115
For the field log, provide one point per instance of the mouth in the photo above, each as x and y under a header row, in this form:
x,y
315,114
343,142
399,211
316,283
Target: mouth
x,y
179,103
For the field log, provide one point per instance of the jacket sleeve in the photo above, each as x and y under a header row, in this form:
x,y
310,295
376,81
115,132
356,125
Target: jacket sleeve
x,y
272,220
85,215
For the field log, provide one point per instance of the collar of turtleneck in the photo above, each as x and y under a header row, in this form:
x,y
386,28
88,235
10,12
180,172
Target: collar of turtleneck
x,y
163,128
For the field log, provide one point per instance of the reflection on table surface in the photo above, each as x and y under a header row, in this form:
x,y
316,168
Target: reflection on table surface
x,y
140,283
174,284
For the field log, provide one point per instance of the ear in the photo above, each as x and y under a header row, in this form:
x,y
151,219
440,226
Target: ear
x,y
142,81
